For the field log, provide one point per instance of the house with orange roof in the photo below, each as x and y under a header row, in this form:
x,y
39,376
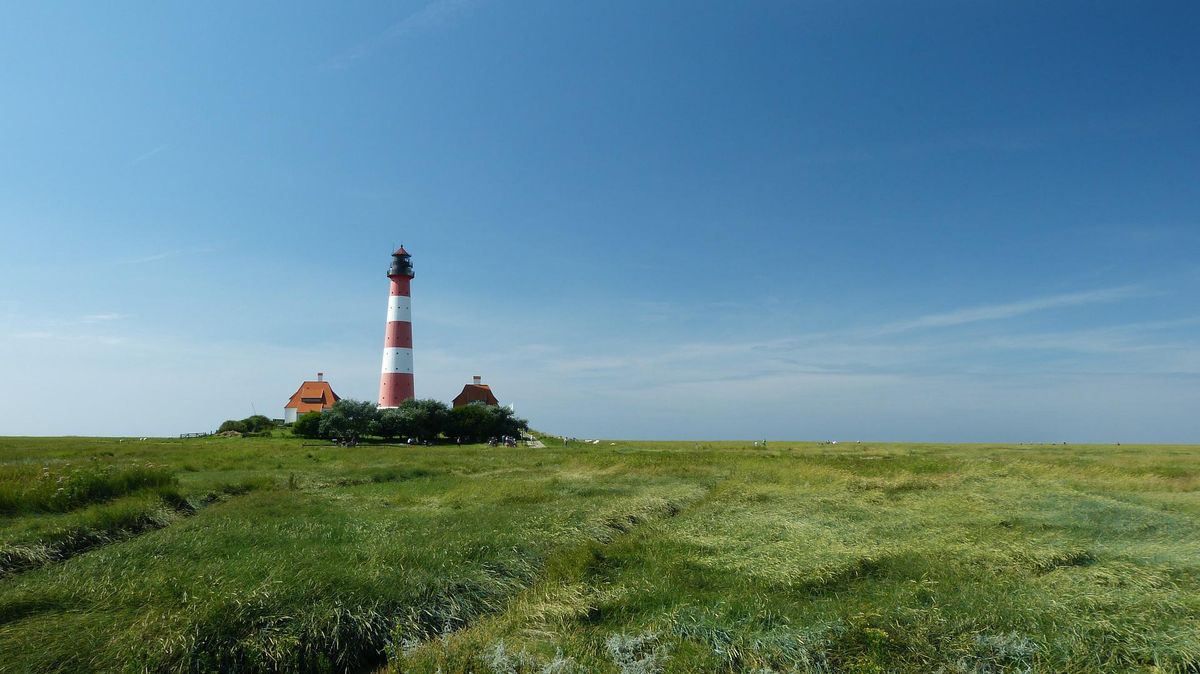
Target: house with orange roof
x,y
476,392
312,396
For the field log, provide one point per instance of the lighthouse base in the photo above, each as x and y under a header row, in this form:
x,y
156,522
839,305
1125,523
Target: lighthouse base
x,y
395,388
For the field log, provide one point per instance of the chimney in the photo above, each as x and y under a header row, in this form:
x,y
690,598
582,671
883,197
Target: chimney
x,y
478,380
320,376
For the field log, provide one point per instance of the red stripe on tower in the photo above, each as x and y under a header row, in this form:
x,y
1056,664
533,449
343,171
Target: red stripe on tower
x,y
396,379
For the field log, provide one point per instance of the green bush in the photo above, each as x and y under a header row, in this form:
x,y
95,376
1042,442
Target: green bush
x,y
478,422
258,424
308,425
349,419
392,423
252,424
427,418
424,420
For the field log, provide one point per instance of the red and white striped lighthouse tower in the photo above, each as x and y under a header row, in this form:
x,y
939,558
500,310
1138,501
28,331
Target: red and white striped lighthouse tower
x,y
396,381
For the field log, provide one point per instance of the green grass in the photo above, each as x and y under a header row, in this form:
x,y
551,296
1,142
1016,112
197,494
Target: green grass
x,y
24,488
263,554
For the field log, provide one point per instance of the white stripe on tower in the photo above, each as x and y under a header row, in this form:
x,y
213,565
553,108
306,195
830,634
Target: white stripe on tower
x,y
396,377
397,359
399,308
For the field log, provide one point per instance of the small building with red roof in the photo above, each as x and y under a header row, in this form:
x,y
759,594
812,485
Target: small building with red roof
x,y
476,392
312,396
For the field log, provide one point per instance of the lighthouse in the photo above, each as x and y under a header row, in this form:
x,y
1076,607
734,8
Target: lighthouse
x,y
396,380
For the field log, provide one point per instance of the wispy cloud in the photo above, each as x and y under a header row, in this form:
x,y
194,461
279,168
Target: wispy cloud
x,y
1118,339
432,16
167,254
146,155
73,337
147,258
918,347
94,328
101,318
995,312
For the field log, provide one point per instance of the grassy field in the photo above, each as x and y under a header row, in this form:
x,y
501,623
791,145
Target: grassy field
x,y
272,555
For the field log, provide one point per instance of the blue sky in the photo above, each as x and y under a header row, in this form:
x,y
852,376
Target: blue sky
x,y
858,220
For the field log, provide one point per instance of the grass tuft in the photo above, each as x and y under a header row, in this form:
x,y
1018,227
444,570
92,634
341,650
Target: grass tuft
x,y
637,654
26,489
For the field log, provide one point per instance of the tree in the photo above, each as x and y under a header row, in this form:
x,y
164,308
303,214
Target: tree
x,y
392,423
308,425
471,423
506,422
348,419
477,422
232,425
427,418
